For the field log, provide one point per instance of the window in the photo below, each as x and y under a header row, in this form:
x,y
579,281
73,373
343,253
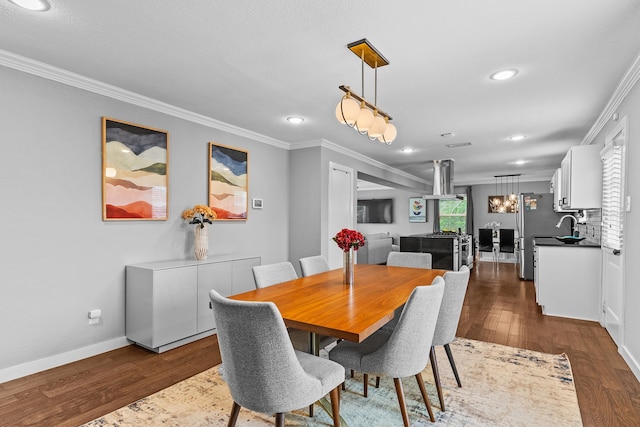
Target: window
x,y
612,192
453,214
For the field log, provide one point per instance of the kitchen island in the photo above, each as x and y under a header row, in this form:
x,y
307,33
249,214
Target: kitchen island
x,y
567,278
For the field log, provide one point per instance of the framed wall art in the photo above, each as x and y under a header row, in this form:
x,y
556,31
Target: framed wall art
x,y
228,180
134,171
417,209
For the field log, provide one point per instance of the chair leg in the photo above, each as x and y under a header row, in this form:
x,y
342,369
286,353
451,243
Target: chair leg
x,y
311,410
403,405
436,375
377,382
235,410
335,406
425,397
366,385
280,419
453,364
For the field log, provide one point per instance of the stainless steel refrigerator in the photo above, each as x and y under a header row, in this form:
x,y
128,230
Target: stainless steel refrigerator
x,y
536,218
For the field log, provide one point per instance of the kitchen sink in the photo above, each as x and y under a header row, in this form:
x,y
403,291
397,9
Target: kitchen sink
x,y
569,239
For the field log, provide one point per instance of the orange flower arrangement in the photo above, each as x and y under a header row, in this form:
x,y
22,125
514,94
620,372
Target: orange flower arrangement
x,y
200,214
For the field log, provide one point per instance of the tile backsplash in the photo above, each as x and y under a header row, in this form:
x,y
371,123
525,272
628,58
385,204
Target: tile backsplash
x,y
589,225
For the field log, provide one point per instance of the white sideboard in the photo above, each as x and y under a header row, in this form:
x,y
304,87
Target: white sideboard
x,y
167,302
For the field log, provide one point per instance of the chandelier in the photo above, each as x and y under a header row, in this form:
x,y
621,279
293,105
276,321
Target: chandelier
x,y
355,111
508,202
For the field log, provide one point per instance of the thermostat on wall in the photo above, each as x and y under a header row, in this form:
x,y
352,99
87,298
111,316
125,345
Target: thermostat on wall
x,y
257,203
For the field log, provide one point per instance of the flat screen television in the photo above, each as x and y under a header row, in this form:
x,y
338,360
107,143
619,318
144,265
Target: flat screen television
x,y
375,211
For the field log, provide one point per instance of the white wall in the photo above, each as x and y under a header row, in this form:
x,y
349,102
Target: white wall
x,y
59,259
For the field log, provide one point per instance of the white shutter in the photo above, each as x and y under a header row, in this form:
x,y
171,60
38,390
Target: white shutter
x,y
612,193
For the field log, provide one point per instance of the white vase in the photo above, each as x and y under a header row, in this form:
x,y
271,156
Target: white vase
x,y
201,242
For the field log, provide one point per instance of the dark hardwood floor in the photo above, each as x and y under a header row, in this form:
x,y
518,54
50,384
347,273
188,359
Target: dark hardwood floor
x,y
498,308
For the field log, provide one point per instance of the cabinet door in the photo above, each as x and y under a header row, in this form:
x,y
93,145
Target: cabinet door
x,y
565,181
243,280
211,276
174,304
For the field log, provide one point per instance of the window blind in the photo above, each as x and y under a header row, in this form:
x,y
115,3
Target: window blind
x,y
612,193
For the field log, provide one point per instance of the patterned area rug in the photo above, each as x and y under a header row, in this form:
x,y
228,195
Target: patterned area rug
x,y
501,386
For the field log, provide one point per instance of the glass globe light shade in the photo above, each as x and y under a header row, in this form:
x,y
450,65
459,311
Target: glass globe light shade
x,y
365,119
389,134
513,197
378,127
347,110
502,209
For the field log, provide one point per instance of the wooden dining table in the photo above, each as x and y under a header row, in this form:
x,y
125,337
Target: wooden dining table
x,y
322,305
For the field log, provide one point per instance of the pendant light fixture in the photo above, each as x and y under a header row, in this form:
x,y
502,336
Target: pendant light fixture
x,y
355,111
508,201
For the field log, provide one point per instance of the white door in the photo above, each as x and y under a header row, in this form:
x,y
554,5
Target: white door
x,y
613,187
341,208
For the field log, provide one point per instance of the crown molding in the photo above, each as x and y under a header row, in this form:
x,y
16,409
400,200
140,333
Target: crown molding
x,y
357,156
60,75
627,83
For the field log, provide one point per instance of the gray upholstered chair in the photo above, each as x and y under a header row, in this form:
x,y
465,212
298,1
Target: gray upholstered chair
x,y
271,274
313,265
263,371
455,288
401,353
409,259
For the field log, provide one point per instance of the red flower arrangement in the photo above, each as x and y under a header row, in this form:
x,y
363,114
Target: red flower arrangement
x,y
347,239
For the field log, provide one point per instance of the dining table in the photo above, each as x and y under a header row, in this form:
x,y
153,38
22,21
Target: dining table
x,y
323,305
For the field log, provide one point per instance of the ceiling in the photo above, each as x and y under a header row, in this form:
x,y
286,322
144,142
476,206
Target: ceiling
x,y
252,64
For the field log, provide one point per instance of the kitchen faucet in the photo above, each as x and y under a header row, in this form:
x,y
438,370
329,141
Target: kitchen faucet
x,y
575,222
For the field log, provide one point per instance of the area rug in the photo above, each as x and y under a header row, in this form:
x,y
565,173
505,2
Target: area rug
x,y
501,386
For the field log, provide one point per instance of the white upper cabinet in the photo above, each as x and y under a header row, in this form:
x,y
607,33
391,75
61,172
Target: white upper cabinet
x,y
581,178
556,189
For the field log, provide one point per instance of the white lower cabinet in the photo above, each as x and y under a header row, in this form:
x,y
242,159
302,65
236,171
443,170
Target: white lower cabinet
x,y
567,281
167,303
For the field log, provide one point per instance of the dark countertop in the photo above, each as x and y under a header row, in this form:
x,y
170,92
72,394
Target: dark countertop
x,y
552,241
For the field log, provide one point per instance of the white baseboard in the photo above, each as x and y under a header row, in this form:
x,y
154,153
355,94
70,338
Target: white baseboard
x,y
39,365
631,361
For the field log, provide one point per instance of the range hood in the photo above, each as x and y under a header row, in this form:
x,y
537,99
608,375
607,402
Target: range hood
x,y
443,180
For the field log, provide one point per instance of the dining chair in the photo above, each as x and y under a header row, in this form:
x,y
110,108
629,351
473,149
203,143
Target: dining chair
x,y
313,265
400,353
409,259
485,242
263,371
455,288
271,274
507,240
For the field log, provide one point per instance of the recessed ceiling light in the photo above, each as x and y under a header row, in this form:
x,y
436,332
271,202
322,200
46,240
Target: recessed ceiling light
x,y
408,150
459,144
520,162
295,120
517,137
35,5
503,74
448,135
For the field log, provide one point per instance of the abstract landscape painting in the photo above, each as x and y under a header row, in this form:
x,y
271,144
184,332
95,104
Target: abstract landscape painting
x,y
228,171
134,175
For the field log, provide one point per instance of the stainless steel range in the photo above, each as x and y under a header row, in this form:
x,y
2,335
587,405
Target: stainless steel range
x,y
449,250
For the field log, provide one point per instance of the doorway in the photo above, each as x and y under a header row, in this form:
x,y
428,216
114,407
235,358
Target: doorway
x,y
341,208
